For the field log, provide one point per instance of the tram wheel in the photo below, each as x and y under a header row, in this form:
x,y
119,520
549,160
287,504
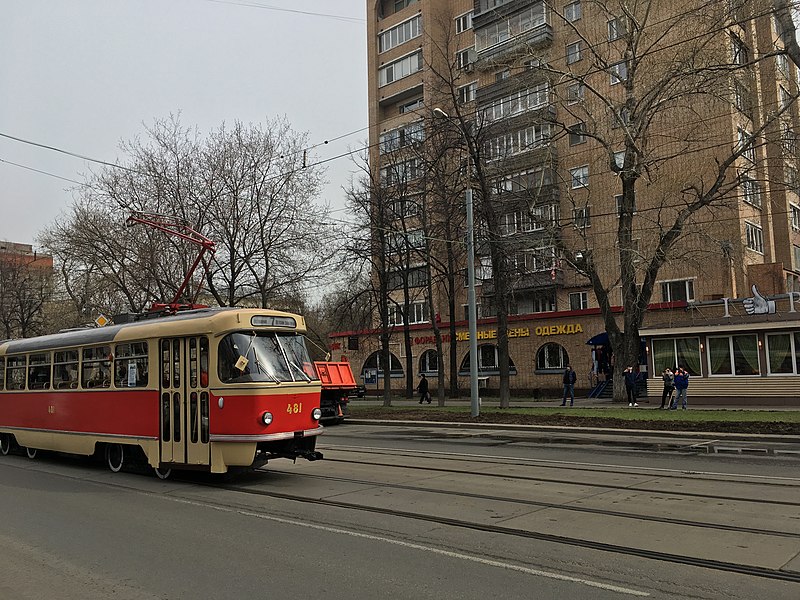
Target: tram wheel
x,y
31,452
115,457
162,473
5,444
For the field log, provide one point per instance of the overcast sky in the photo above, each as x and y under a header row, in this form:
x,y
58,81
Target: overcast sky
x,y
81,75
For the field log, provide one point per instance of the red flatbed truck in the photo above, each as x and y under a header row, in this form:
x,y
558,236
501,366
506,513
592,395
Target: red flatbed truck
x,y
338,385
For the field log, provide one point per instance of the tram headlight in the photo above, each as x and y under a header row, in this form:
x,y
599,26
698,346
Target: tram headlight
x,y
316,414
266,418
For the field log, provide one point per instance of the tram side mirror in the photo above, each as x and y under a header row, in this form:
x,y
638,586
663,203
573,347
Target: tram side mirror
x,y
241,364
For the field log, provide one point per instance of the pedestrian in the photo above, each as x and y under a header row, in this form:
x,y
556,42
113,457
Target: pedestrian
x,y
682,389
630,386
569,379
422,388
669,387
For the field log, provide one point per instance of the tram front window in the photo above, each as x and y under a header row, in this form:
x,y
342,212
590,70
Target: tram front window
x,y
267,357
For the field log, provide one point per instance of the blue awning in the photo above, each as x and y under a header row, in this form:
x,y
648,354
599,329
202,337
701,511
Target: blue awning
x,y
601,339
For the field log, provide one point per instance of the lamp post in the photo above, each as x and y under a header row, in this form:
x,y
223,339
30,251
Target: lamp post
x,y
472,310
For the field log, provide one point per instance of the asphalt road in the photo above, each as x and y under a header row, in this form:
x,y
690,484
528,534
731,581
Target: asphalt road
x,y
408,513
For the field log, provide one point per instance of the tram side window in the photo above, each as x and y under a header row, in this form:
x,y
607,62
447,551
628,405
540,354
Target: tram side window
x,y
15,372
39,371
96,371
130,365
2,373
65,370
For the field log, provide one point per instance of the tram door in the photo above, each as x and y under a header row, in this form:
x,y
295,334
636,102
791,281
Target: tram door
x,y
184,401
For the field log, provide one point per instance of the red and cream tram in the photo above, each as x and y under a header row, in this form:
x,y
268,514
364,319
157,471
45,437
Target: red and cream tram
x,y
203,389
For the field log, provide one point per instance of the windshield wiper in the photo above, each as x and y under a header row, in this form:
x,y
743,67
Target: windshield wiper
x,y
258,364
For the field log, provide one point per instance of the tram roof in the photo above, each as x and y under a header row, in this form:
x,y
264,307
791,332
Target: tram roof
x,y
199,321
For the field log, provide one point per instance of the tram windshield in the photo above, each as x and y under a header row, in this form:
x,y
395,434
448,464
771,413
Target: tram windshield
x,y
264,356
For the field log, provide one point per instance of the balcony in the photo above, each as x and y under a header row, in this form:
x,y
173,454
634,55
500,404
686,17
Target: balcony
x,y
522,43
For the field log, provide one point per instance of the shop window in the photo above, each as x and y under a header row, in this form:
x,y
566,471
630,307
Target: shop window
x,y
781,352
551,356
375,361
488,362
677,352
429,362
733,355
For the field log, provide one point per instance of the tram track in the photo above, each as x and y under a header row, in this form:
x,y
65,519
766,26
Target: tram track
x,y
559,506
718,565
565,481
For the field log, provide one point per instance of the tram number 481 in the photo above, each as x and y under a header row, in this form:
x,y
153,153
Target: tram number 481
x,y
294,409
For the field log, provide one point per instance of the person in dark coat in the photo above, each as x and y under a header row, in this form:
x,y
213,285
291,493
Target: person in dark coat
x,y
569,379
630,386
669,387
422,388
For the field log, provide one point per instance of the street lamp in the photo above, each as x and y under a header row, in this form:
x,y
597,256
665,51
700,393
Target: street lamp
x,y
472,311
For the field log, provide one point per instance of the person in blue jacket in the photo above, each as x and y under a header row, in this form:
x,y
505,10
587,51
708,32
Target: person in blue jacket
x,y
681,387
569,379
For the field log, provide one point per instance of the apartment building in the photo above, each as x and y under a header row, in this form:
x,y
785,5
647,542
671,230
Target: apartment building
x,y
568,103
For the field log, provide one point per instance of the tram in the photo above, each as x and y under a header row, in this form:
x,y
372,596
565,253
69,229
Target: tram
x,y
206,389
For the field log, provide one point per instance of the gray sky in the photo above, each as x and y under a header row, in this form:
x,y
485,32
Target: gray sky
x,y
81,75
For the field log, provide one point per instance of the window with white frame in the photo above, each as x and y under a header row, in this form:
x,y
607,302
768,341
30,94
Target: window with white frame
x,y
417,313
619,72
784,97
402,136
679,290
518,102
504,29
790,178
581,217
796,257
573,52
733,355
466,93
398,69
401,172
751,191
464,22
410,106
517,142
746,144
578,300
400,34
406,207
579,177
741,98
572,11
531,180
783,353
677,352
782,63
794,211
754,237
619,159
464,58
616,29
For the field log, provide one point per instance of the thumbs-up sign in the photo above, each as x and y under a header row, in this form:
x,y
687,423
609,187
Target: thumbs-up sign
x,y
758,305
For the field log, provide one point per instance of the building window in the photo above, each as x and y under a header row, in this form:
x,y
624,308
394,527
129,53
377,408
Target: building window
x,y
681,290
754,237
575,93
464,22
404,67
581,217
402,136
400,34
746,144
751,192
790,178
789,140
375,361
417,313
517,142
573,52
551,356
429,362
579,177
795,216
783,353
502,75
733,355
579,300
410,106
618,202
619,72
352,342
466,93
487,361
616,29
577,134
619,159
518,102
741,99
782,63
506,28
401,4
796,255
741,53
572,11
464,58
678,352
